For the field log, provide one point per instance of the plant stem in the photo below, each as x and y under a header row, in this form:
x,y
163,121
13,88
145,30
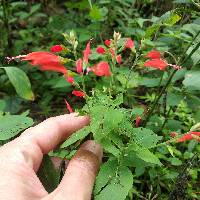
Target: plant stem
x,y
166,118
158,97
134,63
171,76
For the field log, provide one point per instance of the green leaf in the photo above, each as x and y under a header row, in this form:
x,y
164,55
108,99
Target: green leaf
x,y
119,187
172,19
112,117
192,80
20,81
151,30
11,125
81,134
109,147
145,137
48,175
106,173
147,156
95,13
2,105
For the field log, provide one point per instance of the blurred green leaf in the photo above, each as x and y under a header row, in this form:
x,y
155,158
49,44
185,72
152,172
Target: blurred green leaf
x,y
20,82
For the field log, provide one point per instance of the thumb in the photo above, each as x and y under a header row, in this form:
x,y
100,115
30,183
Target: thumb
x,y
80,174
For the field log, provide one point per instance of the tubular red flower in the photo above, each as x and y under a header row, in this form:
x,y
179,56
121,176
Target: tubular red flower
x,y
86,53
101,69
107,42
56,48
100,50
119,58
69,108
79,66
78,93
156,63
154,54
70,79
189,136
129,44
46,61
137,121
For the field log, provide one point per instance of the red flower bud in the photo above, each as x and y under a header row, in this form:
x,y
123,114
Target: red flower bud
x,y
69,108
119,58
79,66
78,93
100,50
154,54
56,48
107,42
137,121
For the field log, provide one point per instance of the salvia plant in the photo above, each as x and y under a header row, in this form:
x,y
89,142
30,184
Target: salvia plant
x,y
101,80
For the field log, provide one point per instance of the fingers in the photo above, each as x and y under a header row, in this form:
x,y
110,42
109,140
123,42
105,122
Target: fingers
x,y
36,141
54,130
79,177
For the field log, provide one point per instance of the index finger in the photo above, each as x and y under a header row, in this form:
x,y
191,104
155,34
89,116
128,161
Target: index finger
x,y
44,137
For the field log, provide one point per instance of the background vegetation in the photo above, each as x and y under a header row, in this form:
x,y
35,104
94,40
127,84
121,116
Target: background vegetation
x,y
28,95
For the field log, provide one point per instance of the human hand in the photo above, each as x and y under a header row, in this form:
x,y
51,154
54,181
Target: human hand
x,y
21,158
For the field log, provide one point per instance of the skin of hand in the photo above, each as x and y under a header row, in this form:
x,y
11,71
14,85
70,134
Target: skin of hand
x,y
21,158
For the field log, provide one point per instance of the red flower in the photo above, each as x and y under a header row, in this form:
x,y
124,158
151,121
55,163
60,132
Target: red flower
x,y
86,53
129,44
79,65
46,61
119,58
100,50
154,54
137,121
69,108
78,93
156,63
107,42
70,79
101,69
56,48
189,136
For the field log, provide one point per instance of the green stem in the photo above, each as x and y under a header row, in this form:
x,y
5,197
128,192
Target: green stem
x,y
130,72
171,76
166,118
158,97
189,45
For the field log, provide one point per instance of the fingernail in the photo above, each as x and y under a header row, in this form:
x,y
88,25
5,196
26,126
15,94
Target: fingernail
x,y
93,147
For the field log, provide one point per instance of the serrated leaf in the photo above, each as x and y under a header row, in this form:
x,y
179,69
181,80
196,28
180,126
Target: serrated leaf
x,y
106,173
118,100
151,30
76,136
95,13
172,19
119,187
11,125
192,80
145,137
147,156
112,117
20,81
110,147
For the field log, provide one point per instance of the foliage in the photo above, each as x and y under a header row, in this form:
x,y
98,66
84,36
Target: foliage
x,y
138,111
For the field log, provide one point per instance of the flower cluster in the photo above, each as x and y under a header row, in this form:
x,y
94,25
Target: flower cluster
x,y
155,61
188,136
